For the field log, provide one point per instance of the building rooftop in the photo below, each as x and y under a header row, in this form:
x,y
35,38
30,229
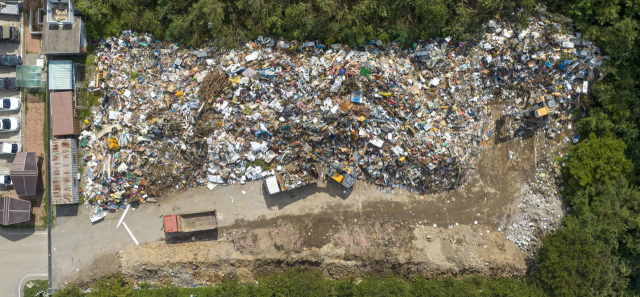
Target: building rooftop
x,y
60,12
60,75
24,173
14,210
64,169
61,39
62,115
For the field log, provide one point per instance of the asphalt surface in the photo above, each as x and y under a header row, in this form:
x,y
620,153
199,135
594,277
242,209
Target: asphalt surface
x,y
24,257
76,242
23,252
10,48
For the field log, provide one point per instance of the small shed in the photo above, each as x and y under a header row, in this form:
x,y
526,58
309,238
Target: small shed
x,y
24,173
60,75
14,210
64,171
63,118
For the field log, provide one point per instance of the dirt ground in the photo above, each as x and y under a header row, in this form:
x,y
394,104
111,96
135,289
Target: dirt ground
x,y
33,42
365,230
34,142
34,139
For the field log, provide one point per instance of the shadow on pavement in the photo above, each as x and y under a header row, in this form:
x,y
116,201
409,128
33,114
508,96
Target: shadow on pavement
x,y
17,233
180,237
67,210
283,199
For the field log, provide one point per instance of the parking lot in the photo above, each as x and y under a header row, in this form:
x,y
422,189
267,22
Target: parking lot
x,y
11,48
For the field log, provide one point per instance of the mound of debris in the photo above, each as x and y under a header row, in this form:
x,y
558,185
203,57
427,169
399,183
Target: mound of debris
x,y
171,117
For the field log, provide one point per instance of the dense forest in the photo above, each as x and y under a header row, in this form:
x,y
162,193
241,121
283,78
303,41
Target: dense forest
x,y
596,253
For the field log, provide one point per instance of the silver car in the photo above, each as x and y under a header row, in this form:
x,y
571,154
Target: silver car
x,y
10,103
9,124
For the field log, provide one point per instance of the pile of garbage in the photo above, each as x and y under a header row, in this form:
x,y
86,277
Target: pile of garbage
x,y
541,208
172,117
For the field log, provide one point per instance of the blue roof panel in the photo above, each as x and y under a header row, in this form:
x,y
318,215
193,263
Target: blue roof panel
x,y
60,75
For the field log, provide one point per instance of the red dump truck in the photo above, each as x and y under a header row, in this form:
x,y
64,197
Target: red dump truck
x,y
190,222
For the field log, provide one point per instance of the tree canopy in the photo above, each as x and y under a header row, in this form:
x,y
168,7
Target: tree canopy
x,y
598,160
351,22
597,251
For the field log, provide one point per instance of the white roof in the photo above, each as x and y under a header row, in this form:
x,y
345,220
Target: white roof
x,y
60,75
272,185
11,8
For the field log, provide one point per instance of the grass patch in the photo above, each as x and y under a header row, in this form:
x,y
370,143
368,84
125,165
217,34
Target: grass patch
x,y
258,162
45,132
88,61
299,282
86,99
45,217
37,286
24,103
41,94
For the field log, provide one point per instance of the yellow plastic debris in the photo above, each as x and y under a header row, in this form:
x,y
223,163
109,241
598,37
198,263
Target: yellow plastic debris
x,y
113,144
236,80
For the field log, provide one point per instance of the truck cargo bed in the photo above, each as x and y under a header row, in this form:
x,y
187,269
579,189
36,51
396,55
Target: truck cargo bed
x,y
198,221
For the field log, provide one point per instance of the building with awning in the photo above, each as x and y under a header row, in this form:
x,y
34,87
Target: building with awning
x,y
24,173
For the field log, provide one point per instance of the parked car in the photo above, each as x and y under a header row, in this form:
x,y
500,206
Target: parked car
x,y
9,124
9,33
9,83
10,148
10,60
10,103
5,180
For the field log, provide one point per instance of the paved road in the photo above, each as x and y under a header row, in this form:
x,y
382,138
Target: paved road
x,y
76,242
10,48
24,253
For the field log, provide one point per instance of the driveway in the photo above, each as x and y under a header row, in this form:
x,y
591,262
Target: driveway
x,y
24,253
10,48
76,242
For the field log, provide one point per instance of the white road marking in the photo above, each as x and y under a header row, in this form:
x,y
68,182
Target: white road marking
x,y
124,214
125,226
